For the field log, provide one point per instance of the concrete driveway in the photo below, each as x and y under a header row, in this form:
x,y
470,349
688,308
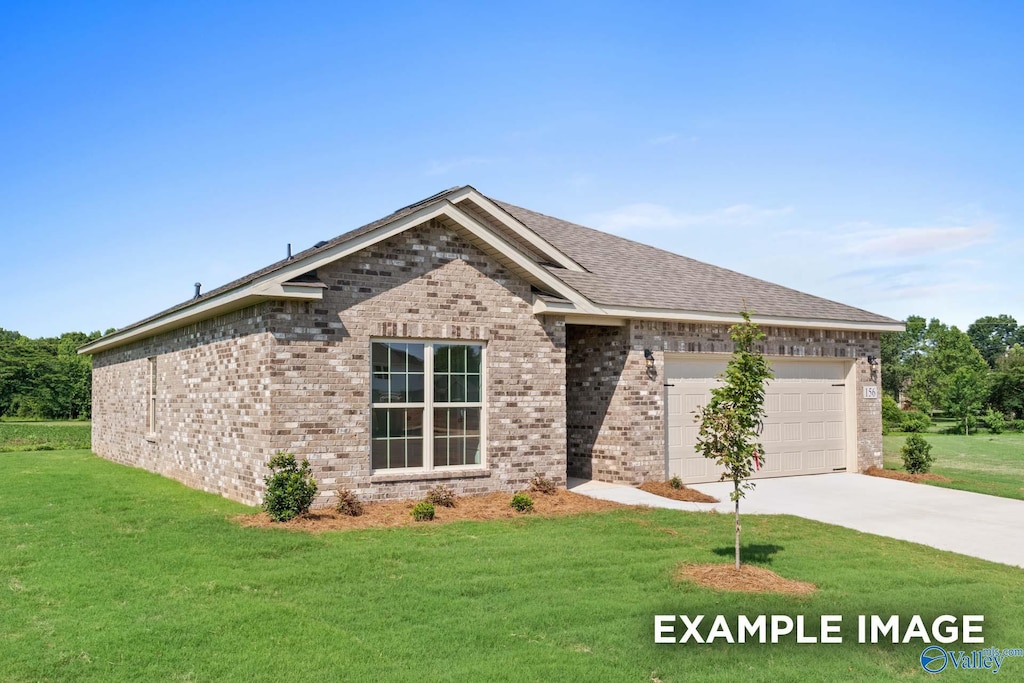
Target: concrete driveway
x,y
968,523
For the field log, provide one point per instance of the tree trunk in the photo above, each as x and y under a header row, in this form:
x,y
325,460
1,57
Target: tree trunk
x,y
736,484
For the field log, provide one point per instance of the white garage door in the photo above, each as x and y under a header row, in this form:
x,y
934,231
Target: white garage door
x,y
804,430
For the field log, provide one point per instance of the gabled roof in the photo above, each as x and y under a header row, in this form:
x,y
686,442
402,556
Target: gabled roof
x,y
582,271
622,273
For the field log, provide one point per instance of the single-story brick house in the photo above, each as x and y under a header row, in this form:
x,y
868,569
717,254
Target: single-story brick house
x,y
472,342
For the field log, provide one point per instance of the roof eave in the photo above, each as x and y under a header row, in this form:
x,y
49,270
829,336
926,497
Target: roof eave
x,y
604,314
277,285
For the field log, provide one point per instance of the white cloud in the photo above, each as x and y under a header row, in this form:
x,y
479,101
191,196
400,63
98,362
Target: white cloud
x,y
914,242
657,216
663,139
444,167
670,138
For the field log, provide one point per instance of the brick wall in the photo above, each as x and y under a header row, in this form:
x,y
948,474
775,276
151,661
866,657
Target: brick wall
x,y
295,376
616,410
214,419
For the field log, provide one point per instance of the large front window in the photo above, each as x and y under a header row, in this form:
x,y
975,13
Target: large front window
x,y
427,403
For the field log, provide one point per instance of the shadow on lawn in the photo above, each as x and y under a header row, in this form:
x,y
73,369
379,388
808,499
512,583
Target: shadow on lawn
x,y
751,553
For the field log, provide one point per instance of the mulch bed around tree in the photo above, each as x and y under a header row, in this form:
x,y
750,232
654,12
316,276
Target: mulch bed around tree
x,y
904,476
665,490
396,513
747,579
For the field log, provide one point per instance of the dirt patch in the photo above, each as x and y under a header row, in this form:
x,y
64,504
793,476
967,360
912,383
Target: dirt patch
x,y
904,476
396,513
746,579
665,490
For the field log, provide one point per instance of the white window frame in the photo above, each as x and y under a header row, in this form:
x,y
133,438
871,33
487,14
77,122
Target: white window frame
x,y
428,405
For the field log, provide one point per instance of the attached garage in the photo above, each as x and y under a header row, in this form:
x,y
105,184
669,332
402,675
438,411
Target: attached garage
x,y
808,429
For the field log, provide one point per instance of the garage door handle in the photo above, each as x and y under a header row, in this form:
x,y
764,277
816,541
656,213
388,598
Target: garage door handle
x,y
668,385
839,385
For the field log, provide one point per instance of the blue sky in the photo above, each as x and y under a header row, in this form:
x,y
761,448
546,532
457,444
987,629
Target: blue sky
x,y
865,152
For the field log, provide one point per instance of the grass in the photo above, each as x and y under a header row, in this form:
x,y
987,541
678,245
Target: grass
x,y
983,463
24,435
109,573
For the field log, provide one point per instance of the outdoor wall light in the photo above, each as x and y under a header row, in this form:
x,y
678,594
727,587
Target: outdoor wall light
x,y
873,364
649,357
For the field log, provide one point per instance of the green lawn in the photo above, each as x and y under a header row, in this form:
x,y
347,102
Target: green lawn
x,y
984,463
109,573
25,435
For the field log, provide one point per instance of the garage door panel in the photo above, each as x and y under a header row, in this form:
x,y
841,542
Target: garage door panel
x,y
804,429
791,403
792,431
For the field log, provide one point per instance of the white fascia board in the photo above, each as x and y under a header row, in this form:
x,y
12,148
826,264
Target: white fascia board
x,y
224,303
276,285
519,258
622,312
502,216
269,286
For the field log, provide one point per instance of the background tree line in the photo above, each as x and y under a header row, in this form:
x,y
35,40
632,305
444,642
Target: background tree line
x,y
935,367
45,378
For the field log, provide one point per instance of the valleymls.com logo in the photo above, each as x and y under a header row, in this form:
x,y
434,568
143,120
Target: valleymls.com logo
x,y
935,659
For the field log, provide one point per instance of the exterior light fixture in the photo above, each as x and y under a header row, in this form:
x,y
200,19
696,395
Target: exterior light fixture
x,y
873,364
649,357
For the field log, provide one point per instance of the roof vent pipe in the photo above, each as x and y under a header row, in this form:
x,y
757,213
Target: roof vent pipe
x,y
289,251
199,286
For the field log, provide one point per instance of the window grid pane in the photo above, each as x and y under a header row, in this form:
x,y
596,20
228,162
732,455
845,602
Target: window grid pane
x,y
399,377
456,436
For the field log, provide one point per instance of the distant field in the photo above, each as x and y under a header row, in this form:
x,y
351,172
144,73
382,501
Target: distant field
x,y
44,436
983,463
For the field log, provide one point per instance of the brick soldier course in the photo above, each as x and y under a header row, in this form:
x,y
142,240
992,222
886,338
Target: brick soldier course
x,y
207,391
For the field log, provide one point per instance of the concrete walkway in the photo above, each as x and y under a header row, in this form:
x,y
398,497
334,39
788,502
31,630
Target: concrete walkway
x,y
972,524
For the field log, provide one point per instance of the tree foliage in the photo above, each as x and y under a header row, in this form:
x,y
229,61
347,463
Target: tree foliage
x,y
45,378
731,423
935,366
992,335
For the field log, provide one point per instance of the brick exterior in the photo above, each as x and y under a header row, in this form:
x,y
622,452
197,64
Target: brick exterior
x,y
615,409
295,376
292,376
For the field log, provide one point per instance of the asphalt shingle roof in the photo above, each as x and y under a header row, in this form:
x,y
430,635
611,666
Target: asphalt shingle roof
x,y
621,272
627,273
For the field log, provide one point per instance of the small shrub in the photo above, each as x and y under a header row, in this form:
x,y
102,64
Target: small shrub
x,y
892,416
422,511
290,488
541,484
676,483
1015,425
917,456
441,495
996,421
915,421
521,503
348,504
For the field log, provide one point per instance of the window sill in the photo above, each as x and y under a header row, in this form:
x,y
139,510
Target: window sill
x,y
431,475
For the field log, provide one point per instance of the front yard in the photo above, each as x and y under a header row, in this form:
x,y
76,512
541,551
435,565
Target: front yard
x,y
111,573
983,463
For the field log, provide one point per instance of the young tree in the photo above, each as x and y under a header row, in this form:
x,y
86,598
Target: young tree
x,y
731,422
